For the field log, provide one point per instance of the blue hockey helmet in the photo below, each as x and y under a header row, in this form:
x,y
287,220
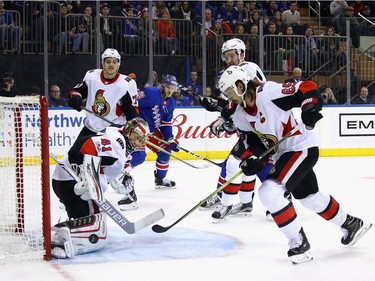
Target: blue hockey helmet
x,y
169,79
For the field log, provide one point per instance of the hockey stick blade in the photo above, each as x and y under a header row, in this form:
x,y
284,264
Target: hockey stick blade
x,y
160,229
113,213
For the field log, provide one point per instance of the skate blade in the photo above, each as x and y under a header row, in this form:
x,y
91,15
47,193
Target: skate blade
x,y
242,214
217,221
360,233
297,259
164,187
128,207
212,208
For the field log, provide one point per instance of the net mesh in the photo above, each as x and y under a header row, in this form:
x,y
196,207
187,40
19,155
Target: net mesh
x,y
21,209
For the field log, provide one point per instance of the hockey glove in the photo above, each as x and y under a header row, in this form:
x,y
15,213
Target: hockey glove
x,y
229,127
173,145
209,104
123,184
310,114
252,165
217,126
75,100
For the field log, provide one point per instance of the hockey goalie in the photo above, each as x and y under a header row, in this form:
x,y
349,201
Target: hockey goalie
x,y
97,160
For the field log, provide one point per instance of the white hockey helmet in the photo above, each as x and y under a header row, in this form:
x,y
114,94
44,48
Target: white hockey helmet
x,y
111,53
136,131
233,44
230,78
254,72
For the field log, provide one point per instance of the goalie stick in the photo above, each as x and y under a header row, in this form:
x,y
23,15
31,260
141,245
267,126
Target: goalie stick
x,y
111,211
149,143
160,229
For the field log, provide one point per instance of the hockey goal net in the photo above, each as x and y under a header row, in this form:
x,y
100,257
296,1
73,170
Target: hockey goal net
x,y
24,173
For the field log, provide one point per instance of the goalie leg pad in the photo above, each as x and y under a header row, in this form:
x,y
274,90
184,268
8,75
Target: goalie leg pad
x,y
80,236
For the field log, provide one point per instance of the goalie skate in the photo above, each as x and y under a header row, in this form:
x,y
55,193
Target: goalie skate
x,y
353,229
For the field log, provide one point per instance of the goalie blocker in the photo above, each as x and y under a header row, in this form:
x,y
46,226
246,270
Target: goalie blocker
x,y
96,160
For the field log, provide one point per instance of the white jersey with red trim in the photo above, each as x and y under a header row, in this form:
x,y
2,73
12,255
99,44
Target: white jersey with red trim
x,y
110,145
272,117
104,98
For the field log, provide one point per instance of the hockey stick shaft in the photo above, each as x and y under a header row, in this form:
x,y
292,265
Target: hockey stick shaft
x,y
175,156
196,95
188,151
112,212
160,229
101,117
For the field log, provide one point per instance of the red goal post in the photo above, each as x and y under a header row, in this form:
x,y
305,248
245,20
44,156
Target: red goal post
x,y
25,223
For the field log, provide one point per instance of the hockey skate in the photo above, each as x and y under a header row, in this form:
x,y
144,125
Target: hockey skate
x,y
299,249
161,183
242,209
353,229
221,214
128,201
212,203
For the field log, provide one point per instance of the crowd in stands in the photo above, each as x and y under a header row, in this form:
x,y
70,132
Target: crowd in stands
x,y
288,41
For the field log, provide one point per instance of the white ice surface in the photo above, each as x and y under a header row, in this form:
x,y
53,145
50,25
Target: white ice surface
x,y
242,248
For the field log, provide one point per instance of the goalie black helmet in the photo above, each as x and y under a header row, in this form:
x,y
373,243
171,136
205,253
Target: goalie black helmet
x,y
136,132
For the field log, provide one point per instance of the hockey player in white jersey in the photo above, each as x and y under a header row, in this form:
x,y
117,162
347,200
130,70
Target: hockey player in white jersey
x,y
108,94
233,53
271,118
86,229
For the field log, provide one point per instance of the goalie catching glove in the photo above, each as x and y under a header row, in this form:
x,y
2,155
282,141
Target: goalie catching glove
x,y
310,114
252,165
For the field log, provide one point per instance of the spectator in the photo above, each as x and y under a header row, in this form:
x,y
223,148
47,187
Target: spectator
x,y
297,76
68,31
271,48
365,27
155,80
193,86
167,34
277,19
338,8
328,96
292,18
312,49
157,9
227,12
363,97
55,99
7,85
358,7
252,46
131,31
34,91
271,10
9,29
329,45
180,99
283,5
134,77
289,50
106,26
243,15
354,26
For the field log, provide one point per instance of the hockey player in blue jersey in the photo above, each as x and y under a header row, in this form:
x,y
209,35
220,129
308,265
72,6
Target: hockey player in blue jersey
x,y
156,106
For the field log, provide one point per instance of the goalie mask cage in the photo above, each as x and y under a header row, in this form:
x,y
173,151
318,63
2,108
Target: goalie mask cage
x,y
25,224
